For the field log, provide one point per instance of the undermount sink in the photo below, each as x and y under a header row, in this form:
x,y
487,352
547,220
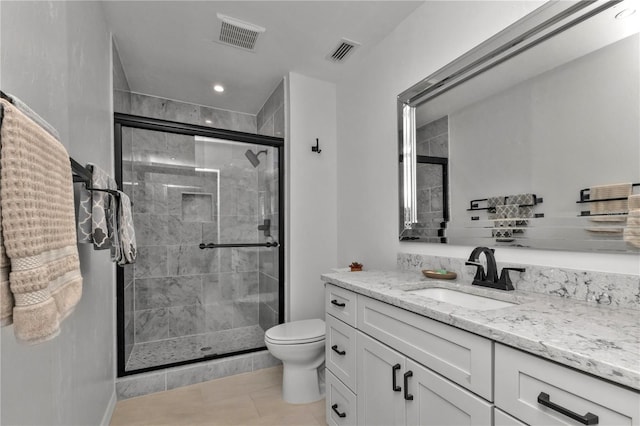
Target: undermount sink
x,y
465,300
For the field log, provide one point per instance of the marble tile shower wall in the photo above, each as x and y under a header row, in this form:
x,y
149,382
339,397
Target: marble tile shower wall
x,y
166,109
180,289
599,288
432,139
270,122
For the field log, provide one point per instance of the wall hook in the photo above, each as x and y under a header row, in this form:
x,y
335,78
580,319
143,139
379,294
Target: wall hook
x,y
317,147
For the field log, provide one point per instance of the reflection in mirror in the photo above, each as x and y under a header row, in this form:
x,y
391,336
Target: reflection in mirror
x,y
528,145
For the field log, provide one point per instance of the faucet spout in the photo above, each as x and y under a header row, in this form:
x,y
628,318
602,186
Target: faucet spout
x,y
490,278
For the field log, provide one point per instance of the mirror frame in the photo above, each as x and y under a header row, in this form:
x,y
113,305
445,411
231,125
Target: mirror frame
x,y
545,22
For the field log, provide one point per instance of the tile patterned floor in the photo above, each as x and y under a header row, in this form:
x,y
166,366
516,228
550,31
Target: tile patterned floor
x,y
151,354
245,399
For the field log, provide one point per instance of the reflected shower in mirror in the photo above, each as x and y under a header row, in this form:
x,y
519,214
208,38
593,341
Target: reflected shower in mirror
x,y
534,130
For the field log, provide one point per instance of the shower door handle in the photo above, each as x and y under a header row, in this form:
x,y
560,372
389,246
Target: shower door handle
x,y
215,245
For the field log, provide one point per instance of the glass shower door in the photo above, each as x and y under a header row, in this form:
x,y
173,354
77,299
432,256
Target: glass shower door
x,y
207,279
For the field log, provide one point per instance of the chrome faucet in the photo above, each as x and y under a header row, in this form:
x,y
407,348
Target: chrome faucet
x,y
490,278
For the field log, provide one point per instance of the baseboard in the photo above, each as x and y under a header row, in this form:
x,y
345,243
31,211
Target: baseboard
x,y
106,419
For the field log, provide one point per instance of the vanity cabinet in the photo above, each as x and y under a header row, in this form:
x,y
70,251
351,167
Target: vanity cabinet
x,y
399,386
540,392
389,366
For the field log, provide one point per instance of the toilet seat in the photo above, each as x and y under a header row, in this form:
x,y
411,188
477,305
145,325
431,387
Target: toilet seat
x,y
296,332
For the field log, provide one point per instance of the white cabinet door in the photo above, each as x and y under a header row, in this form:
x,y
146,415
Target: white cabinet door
x,y
434,400
376,366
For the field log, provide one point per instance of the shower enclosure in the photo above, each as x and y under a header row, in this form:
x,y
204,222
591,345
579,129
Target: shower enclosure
x,y
207,207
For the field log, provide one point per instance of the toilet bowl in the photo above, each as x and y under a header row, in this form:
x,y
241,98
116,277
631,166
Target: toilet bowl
x,y
300,347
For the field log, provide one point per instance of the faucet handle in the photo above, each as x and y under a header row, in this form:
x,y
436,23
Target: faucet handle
x,y
480,274
505,279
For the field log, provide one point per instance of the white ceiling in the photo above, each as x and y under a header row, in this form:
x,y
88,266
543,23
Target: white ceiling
x,y
167,47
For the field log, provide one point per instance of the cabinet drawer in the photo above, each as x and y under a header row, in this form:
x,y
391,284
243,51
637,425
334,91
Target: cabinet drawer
x,y
341,304
340,401
522,378
460,356
340,351
500,418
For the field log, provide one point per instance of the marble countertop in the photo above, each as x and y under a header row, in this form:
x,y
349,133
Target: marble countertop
x,y
599,340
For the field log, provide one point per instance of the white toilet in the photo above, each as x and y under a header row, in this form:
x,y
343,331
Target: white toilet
x,y
300,347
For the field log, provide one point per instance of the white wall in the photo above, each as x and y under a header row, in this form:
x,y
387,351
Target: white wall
x,y
523,123
56,57
311,187
432,36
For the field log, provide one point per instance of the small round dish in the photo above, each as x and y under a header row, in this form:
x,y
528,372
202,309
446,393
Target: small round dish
x,y
439,275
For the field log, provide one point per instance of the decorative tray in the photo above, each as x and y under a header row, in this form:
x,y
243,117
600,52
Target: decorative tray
x,y
440,274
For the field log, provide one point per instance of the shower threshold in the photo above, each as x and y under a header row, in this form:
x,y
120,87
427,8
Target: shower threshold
x,y
194,347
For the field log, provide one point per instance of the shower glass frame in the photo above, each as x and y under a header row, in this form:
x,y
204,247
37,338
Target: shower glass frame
x,y
153,124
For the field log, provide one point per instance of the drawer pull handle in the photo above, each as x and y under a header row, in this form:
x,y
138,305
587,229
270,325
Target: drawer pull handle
x,y
334,407
335,349
338,304
394,385
587,419
407,395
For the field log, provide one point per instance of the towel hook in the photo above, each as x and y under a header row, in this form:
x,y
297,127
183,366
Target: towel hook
x,y
317,147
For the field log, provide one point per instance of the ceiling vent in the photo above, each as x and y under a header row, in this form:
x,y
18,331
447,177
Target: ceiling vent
x,y
342,51
237,33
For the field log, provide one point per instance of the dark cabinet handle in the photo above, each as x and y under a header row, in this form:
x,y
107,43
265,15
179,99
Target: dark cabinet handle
x,y
587,419
335,302
334,407
407,395
335,349
395,386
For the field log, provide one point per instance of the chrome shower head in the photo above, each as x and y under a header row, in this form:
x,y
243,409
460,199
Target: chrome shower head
x,y
253,157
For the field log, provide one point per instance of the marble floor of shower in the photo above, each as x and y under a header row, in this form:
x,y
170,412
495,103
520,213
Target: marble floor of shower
x,y
161,352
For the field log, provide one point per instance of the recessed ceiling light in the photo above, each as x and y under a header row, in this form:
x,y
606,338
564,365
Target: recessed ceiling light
x,y
218,88
208,121
625,13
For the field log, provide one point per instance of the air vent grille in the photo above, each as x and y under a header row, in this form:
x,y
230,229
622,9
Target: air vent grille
x,y
343,50
237,33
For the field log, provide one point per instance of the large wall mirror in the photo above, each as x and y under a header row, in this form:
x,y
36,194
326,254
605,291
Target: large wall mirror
x,y
531,139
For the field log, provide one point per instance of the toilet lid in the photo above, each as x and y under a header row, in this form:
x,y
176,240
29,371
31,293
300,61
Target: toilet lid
x,y
304,331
